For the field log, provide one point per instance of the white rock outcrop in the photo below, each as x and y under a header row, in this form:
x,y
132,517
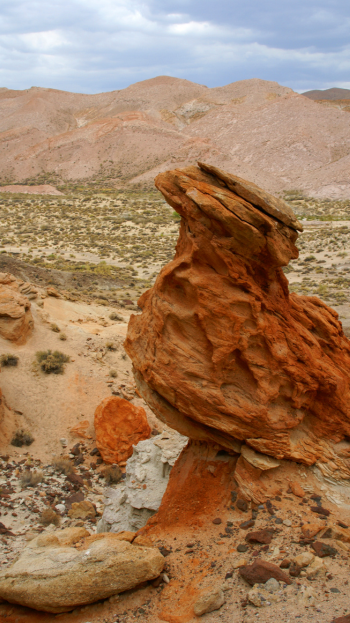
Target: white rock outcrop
x,y
131,503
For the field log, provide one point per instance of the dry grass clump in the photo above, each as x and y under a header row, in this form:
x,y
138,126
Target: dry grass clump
x,y
48,516
115,316
31,478
22,438
62,337
111,346
112,474
55,328
52,362
9,360
62,465
113,373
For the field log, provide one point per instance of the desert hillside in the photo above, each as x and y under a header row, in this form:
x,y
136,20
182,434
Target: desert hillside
x,y
258,129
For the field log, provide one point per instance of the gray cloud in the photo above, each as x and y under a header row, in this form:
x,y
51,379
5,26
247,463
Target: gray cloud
x,y
89,46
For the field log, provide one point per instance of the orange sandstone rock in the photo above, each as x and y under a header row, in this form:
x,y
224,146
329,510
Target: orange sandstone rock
x,y
222,351
297,489
119,425
16,320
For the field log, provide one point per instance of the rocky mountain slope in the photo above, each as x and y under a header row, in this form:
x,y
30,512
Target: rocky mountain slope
x,y
258,129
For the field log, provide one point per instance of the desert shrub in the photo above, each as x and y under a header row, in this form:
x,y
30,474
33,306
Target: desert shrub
x,y
62,465
111,346
62,337
112,474
9,360
22,438
113,374
55,328
52,363
49,516
115,316
31,478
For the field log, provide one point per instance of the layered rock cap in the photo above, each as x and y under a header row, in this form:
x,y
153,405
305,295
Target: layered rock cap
x,y
222,352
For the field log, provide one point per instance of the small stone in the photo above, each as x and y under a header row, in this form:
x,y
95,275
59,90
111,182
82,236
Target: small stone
x,y
247,524
342,525
272,585
304,559
217,521
242,548
323,549
241,562
297,489
285,563
82,510
60,508
310,530
261,571
287,522
316,568
344,619
259,536
294,570
242,505
278,520
209,602
63,442
233,496
320,510
334,590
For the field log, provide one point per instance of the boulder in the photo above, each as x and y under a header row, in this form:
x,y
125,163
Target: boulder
x,y
119,425
82,510
222,351
16,320
59,571
129,506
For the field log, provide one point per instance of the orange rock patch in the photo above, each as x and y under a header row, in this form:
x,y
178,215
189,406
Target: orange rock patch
x,y
119,425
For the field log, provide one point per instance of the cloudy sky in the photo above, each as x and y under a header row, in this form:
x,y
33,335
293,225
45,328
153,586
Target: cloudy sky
x,y
100,45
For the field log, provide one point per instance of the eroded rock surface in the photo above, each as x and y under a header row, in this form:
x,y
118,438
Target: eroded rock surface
x,y
119,425
59,571
222,351
16,320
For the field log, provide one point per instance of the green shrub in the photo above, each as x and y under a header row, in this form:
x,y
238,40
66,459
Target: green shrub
x,y
9,360
52,363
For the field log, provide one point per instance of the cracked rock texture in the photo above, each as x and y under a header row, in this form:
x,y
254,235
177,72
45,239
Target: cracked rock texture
x,y
128,507
222,352
16,320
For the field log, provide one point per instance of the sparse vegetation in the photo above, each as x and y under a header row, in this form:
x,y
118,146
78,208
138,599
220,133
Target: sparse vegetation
x,y
115,316
31,478
111,346
9,360
55,328
52,362
113,373
62,465
62,337
22,438
112,474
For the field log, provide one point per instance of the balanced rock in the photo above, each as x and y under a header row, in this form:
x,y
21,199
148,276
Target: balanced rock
x,y
222,351
16,320
53,575
119,425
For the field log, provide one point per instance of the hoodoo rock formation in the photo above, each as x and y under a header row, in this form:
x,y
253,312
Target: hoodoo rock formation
x,y
222,351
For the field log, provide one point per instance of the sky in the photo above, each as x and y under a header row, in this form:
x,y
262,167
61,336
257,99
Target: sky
x,y
90,46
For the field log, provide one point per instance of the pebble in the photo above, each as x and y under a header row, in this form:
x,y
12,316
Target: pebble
x,y
287,522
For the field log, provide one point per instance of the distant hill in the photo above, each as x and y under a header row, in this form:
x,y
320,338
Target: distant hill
x,y
259,130
328,94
